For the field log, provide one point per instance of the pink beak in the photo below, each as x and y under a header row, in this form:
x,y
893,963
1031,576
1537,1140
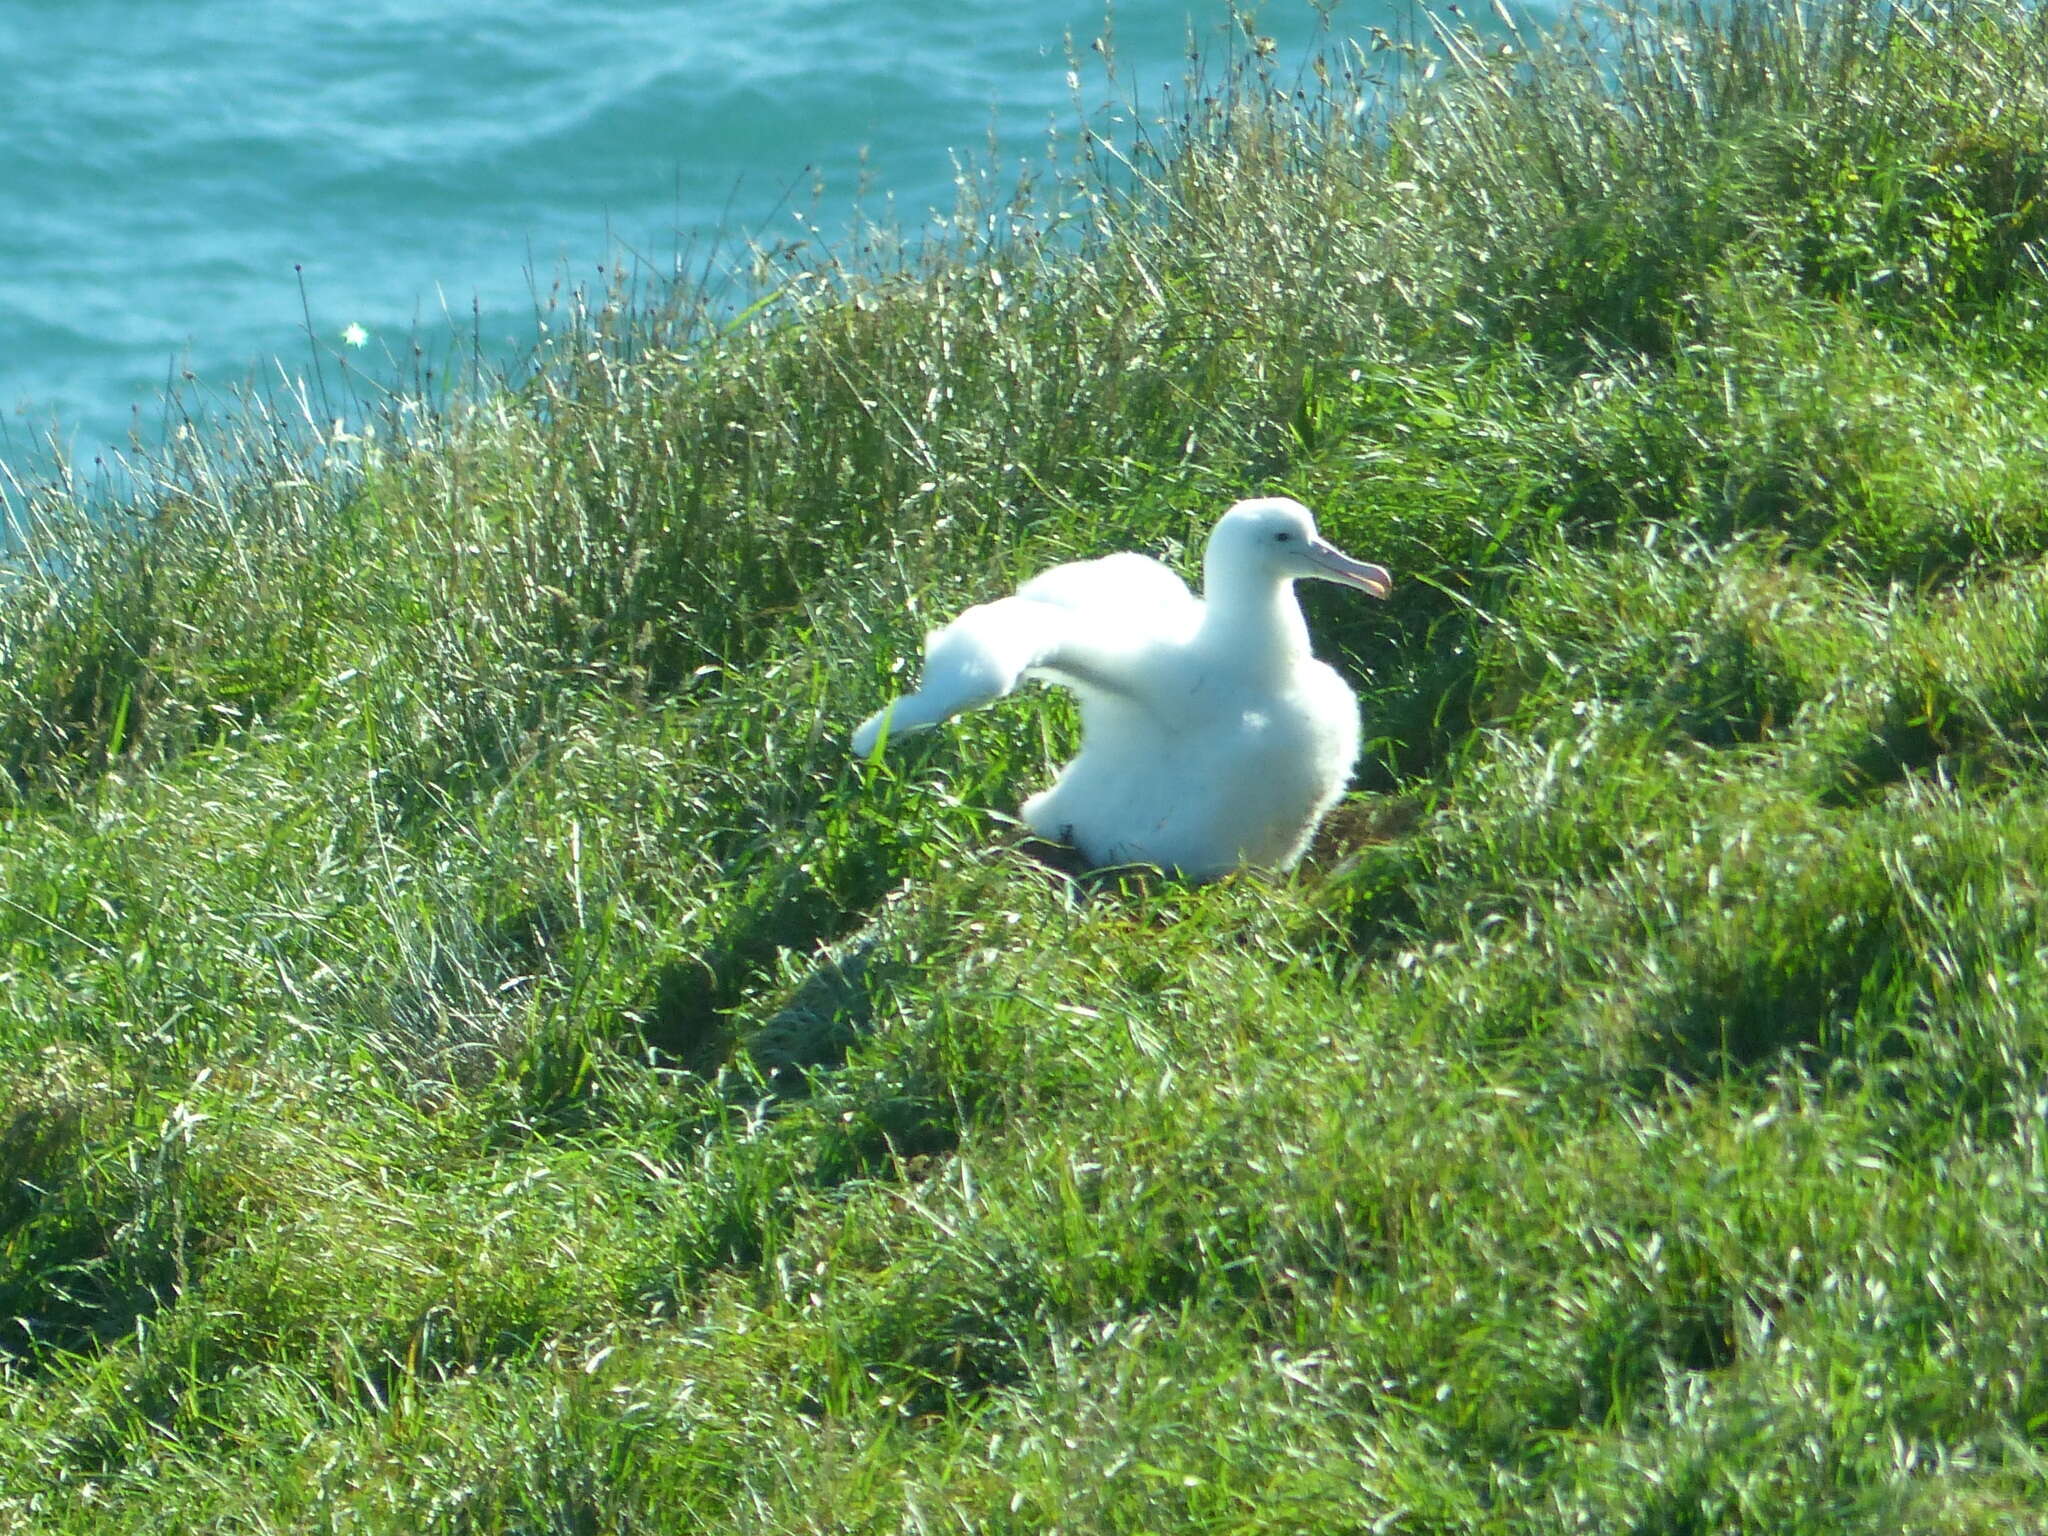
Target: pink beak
x,y
1334,565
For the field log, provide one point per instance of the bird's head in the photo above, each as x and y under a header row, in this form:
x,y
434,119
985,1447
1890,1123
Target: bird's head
x,y
1277,536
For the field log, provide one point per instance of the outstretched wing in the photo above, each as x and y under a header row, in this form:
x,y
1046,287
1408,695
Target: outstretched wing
x,y
1083,625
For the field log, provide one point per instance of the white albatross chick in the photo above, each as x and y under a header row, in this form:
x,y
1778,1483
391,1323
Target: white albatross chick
x,y
1211,737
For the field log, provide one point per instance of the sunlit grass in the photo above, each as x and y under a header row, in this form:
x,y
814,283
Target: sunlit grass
x,y
479,1055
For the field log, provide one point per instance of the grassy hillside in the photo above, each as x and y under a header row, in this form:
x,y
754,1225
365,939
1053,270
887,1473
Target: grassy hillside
x,y
422,1103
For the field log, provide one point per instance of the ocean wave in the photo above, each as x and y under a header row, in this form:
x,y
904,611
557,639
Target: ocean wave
x,y
176,173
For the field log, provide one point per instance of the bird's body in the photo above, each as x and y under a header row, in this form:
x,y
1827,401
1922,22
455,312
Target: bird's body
x,y
1212,739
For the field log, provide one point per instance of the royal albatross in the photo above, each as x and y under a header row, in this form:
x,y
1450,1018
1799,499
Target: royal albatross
x,y
1211,737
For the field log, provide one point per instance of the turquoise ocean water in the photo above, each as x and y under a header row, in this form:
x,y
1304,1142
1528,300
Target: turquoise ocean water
x,y
175,168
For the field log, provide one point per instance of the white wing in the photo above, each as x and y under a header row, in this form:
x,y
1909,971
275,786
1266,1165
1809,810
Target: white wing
x,y
1082,625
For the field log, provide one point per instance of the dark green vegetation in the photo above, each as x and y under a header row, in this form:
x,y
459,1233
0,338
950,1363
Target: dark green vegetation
x,y
1632,1121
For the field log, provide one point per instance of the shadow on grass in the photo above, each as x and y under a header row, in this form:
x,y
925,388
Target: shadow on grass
x,y
90,1241
1731,1013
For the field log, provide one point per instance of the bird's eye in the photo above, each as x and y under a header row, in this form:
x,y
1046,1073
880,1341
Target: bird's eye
x,y
1282,538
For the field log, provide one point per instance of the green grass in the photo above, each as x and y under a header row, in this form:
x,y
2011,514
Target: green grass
x,y
476,1055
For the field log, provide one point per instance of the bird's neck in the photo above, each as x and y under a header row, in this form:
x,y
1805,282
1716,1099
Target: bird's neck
x,y
1254,618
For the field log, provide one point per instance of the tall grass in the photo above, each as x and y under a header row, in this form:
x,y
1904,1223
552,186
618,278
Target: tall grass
x,y
479,1056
